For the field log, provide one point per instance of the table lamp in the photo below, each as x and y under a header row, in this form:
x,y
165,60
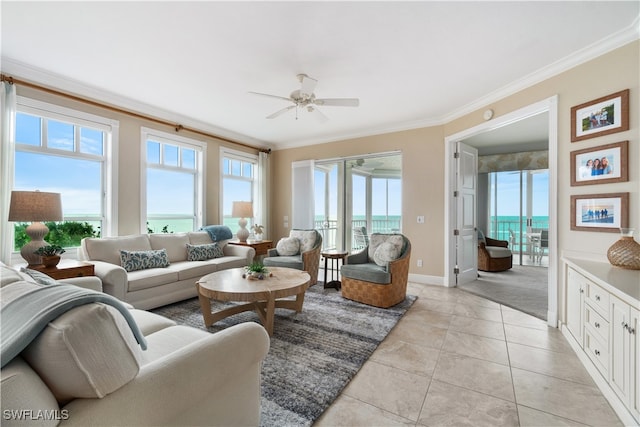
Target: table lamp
x,y
35,206
242,210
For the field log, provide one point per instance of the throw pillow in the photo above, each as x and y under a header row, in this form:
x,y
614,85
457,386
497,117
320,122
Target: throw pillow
x,y
39,277
385,253
376,239
288,246
203,252
307,239
141,260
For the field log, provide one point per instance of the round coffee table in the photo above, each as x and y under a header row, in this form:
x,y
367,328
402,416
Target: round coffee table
x,y
260,295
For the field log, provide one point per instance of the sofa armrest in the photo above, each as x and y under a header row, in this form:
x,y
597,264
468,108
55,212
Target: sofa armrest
x,y
88,282
242,251
361,257
212,381
114,278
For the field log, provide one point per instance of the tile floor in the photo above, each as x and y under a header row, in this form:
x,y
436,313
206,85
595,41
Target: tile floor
x,y
456,359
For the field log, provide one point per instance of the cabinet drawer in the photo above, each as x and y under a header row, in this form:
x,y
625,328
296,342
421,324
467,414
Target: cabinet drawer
x,y
597,298
597,351
598,324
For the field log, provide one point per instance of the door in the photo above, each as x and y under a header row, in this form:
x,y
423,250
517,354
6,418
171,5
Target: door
x,y
466,268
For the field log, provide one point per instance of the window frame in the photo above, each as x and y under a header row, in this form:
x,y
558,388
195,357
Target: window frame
x,y
228,153
109,173
200,149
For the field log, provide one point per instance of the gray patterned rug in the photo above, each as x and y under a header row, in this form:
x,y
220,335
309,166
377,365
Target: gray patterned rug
x,y
313,354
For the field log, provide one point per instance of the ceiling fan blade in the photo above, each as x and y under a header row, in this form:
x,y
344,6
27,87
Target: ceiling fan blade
x,y
271,96
307,85
317,114
280,112
338,102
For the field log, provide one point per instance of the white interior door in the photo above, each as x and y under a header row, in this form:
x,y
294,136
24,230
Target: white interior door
x,y
466,232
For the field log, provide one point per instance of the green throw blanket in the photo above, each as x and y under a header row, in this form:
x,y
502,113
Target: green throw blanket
x,y
26,309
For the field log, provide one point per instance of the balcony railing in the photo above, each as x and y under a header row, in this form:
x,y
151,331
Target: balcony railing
x,y
501,230
329,229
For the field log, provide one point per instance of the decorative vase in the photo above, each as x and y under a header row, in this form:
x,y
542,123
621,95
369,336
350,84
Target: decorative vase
x,y
50,261
625,253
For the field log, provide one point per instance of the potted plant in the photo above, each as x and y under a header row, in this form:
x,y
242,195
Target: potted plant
x,y
256,270
257,232
50,254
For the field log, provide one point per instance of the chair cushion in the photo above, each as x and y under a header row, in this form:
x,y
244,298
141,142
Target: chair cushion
x,y
203,252
498,252
141,260
294,261
307,239
369,272
385,253
88,352
376,240
288,246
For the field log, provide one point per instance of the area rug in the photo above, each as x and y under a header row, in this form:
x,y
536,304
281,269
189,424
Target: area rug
x,y
313,354
524,288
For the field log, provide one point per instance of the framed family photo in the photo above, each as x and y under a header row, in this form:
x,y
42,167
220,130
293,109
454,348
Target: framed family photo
x,y
600,212
602,116
600,165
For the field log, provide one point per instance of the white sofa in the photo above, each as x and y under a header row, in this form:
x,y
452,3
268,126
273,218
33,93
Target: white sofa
x,y
98,374
155,287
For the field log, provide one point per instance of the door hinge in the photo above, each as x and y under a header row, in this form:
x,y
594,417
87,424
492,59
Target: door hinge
x,y
455,193
456,155
456,270
456,232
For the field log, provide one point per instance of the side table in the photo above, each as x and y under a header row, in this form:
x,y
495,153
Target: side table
x,y
261,246
335,256
68,269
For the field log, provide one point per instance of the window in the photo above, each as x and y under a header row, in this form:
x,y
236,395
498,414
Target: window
x,y
173,183
238,172
66,151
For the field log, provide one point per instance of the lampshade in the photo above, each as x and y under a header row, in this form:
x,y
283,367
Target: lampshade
x,y
29,206
242,210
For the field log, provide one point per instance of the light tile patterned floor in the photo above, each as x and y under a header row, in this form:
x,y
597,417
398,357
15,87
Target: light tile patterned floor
x,y
458,359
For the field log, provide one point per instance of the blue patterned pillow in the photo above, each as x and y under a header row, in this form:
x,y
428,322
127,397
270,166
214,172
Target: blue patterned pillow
x,y
203,252
141,260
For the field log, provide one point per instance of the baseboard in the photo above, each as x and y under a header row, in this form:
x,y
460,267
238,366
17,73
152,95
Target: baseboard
x,y
426,280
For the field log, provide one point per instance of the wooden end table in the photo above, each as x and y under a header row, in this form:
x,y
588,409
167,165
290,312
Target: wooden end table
x,y
67,269
260,295
335,256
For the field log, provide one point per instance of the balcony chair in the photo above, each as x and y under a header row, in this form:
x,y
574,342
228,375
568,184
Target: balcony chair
x,y
493,255
360,238
301,250
378,274
542,246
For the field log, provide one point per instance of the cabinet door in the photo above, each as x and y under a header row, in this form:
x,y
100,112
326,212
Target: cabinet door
x,y
634,334
575,298
620,376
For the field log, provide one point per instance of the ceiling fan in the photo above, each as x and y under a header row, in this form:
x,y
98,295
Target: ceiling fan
x,y
305,98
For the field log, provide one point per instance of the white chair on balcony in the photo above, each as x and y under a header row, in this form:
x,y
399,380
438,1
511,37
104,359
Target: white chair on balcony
x,y
360,238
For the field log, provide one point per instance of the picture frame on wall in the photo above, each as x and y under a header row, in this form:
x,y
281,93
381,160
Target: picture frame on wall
x,y
600,165
602,116
600,212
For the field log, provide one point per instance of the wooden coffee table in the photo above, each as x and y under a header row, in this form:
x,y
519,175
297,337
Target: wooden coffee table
x,y
263,296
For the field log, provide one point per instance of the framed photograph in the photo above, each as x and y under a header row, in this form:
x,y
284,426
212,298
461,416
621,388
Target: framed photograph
x,y
602,116
600,212
600,165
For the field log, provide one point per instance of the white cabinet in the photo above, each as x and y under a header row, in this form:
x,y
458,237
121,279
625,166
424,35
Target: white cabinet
x,y
602,323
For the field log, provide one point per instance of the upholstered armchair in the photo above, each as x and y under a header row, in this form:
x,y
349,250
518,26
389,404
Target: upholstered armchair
x,y
378,274
301,250
493,255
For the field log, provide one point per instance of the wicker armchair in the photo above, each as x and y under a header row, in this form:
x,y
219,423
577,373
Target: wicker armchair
x,y
308,261
365,281
493,255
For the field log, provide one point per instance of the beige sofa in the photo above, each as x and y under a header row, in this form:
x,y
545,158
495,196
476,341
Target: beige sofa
x,y
155,287
98,374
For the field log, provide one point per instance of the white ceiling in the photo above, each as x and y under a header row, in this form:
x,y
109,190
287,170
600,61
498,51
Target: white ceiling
x,y
411,64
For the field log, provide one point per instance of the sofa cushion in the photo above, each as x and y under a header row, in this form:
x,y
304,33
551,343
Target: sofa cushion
x,y
385,253
174,243
108,248
8,275
141,260
203,252
368,272
307,239
87,352
288,246
377,239
498,252
149,322
150,278
294,261
39,277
